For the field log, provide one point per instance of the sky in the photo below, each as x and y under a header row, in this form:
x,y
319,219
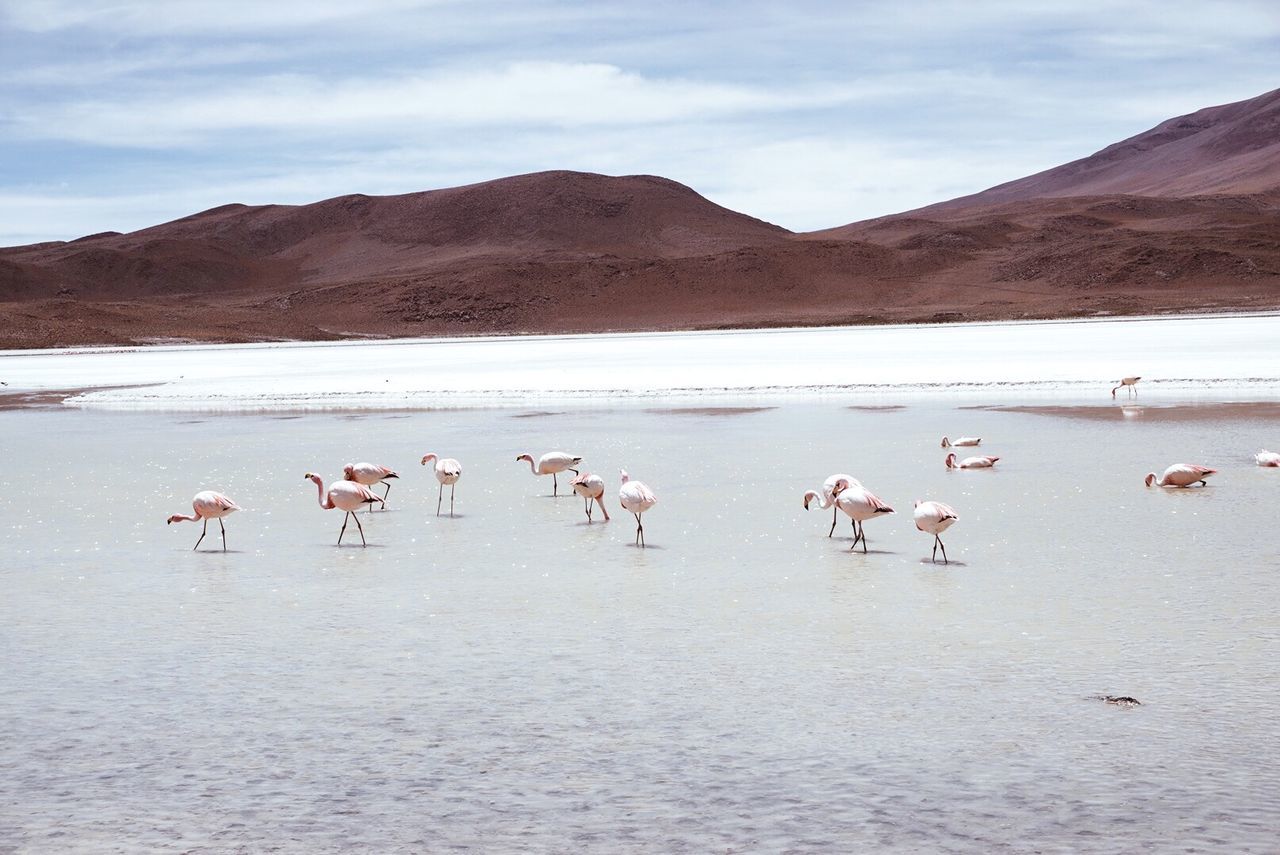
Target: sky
x,y
119,115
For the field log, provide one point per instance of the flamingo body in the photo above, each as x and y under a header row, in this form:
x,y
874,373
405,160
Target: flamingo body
x,y
208,505
447,472
552,463
1127,382
346,496
1267,458
590,487
369,474
934,518
636,497
970,462
1180,475
961,441
860,505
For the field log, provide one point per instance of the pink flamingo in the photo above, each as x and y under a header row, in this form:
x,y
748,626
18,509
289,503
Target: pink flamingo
x,y
591,487
1131,383
208,505
448,471
970,462
934,518
961,441
345,496
830,487
552,463
859,504
369,474
1267,458
637,498
1180,475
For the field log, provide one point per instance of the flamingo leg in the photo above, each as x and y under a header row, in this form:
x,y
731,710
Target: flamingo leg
x,y
834,511
639,532
944,550
202,534
440,500
600,501
555,485
452,487
344,526
224,534
588,510
362,540
385,494
935,549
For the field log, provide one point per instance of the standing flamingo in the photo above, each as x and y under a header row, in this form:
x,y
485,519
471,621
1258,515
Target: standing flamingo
x,y
961,441
637,498
591,488
208,505
552,463
1131,383
1180,475
345,496
369,474
1267,458
829,489
934,518
448,471
859,504
970,462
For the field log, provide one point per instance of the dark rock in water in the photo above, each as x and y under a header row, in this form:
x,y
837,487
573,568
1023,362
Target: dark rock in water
x,y
1118,700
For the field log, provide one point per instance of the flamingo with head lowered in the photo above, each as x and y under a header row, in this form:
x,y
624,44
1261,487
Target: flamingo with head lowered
x,y
551,463
1181,475
345,496
591,487
970,462
208,505
448,471
961,441
934,518
369,474
1128,382
830,487
1267,458
637,498
859,504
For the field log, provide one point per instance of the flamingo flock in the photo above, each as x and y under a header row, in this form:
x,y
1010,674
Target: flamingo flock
x,y
840,492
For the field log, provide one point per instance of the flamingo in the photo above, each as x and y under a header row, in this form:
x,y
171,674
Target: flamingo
x,y
636,498
345,496
369,474
828,498
970,462
1180,475
208,505
551,463
859,503
591,487
1131,383
1267,458
961,441
448,471
934,518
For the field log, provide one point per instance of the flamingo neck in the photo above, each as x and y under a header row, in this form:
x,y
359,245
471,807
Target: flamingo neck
x,y
532,468
328,506
184,518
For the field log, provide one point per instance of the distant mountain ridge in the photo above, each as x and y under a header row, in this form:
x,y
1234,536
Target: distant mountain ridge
x,y
1184,216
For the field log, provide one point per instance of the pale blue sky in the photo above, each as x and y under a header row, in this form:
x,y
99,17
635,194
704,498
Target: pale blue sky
x,y
119,115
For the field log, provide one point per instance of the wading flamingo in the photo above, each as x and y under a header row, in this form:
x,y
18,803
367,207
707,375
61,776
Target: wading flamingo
x,y
934,518
1180,475
1267,458
551,463
448,471
828,498
1131,383
208,505
636,498
970,462
369,474
591,488
859,504
961,441
345,496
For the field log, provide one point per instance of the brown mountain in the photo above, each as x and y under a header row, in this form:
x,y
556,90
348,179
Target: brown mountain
x,y
1185,216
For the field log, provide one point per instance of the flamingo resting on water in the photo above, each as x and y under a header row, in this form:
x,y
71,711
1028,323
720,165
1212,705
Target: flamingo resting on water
x,y
1131,383
208,505
934,518
970,462
448,471
637,498
961,441
552,463
1267,458
369,474
345,496
1180,475
591,487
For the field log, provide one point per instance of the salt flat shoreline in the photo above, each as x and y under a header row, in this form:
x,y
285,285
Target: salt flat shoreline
x,y
1231,355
